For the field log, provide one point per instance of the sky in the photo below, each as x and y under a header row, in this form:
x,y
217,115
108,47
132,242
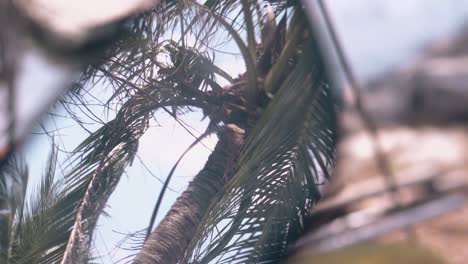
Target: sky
x,y
377,35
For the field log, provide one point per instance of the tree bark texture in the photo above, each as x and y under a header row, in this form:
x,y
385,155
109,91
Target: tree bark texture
x,y
168,242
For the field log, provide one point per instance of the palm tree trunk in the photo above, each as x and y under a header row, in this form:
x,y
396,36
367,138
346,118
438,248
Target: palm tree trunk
x,y
168,242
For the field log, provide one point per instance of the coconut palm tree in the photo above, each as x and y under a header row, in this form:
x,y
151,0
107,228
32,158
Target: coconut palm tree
x,y
275,126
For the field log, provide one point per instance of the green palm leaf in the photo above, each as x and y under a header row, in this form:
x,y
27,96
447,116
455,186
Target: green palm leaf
x,y
98,165
13,183
288,153
136,57
38,231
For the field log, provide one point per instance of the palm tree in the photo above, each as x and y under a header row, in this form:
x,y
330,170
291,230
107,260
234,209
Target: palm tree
x,y
275,124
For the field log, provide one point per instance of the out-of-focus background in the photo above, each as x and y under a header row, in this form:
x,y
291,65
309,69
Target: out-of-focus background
x,y
411,58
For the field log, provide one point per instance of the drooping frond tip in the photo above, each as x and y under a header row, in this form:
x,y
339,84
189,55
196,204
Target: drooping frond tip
x,y
288,153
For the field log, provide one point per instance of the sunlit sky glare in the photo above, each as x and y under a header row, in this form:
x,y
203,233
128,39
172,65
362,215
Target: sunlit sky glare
x,y
72,18
377,34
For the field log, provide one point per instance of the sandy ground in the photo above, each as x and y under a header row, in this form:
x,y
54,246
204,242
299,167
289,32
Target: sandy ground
x,y
446,236
412,151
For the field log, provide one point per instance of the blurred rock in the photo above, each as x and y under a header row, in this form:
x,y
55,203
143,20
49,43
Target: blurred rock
x,y
432,90
370,253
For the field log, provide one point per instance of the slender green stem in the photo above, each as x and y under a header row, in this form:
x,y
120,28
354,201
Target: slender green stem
x,y
272,79
251,88
251,43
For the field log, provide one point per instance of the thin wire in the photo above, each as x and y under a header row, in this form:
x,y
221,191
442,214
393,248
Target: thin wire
x,y
152,174
369,124
383,163
169,177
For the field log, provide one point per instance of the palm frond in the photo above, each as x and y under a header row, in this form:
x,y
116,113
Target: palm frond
x,y
62,220
100,160
36,229
13,184
288,153
99,163
36,232
139,57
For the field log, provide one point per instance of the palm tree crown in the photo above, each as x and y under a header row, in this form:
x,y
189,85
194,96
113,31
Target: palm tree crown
x,y
275,125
